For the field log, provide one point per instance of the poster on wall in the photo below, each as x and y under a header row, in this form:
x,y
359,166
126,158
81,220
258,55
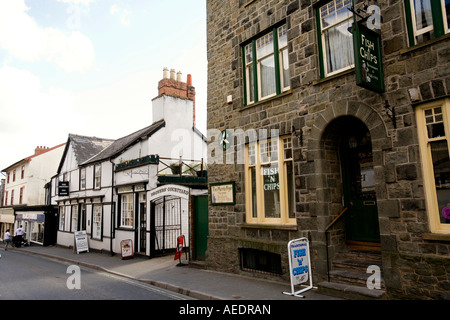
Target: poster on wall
x,y
127,248
81,241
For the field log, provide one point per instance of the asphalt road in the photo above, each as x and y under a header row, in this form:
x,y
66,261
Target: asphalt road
x,y
29,277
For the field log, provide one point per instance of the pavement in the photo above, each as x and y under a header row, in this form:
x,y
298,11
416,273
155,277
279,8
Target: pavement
x,y
184,278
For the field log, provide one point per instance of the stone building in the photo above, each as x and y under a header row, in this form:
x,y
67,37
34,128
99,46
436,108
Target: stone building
x,y
316,151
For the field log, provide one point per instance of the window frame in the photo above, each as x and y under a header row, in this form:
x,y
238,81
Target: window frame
x,y
97,226
83,178
127,213
99,176
321,43
431,200
439,27
286,209
252,68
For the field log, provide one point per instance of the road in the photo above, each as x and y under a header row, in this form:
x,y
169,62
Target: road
x,y
29,277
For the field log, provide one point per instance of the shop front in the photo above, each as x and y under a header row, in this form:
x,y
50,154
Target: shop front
x,y
39,224
6,220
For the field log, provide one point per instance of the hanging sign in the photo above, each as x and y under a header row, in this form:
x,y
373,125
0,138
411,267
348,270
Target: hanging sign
x,y
368,58
81,241
63,188
299,265
126,247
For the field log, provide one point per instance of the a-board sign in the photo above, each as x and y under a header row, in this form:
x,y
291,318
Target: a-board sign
x,y
299,265
81,241
126,247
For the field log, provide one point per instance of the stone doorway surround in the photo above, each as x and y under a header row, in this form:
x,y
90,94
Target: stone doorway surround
x,y
321,172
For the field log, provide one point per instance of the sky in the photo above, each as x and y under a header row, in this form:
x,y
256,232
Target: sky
x,y
92,67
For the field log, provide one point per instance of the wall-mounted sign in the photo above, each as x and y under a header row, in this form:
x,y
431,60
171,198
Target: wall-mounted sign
x,y
222,193
299,265
63,188
368,58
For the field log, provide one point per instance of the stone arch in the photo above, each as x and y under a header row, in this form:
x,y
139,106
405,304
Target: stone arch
x,y
324,184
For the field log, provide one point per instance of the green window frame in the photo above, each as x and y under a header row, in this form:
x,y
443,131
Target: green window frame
x,y
335,39
434,22
266,65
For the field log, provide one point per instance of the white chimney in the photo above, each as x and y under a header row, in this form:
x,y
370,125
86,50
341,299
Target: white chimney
x,y
172,74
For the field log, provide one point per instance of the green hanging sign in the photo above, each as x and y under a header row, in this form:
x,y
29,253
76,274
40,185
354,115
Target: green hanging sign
x,y
368,58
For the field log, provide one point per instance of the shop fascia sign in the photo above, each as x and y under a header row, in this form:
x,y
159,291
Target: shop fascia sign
x,y
368,50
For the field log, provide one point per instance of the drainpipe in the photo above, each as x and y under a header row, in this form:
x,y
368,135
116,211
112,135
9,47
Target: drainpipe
x,y
113,210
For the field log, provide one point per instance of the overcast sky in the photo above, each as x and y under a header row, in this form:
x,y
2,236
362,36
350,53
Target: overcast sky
x,y
91,67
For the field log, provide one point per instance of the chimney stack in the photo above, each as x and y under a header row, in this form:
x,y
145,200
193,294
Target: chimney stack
x,y
174,87
40,150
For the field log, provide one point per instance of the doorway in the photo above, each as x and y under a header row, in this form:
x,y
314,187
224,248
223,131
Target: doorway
x,y
201,231
358,182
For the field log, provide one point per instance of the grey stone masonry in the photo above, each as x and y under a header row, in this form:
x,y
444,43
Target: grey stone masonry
x,y
416,263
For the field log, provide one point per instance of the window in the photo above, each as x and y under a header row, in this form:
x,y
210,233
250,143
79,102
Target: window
x,y
260,261
14,175
6,198
335,38
22,175
97,221
74,218
427,19
127,212
21,195
266,65
97,176
62,217
82,178
269,182
433,123
12,197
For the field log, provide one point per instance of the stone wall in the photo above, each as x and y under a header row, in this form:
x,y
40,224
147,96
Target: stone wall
x,y
411,260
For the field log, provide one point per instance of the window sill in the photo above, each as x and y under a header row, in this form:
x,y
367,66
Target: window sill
x,y
281,95
335,76
425,44
436,237
287,227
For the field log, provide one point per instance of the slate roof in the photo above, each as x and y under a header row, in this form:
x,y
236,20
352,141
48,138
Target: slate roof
x,y
84,147
120,145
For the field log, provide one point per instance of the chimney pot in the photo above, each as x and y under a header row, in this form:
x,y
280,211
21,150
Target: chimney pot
x,y
179,76
172,74
165,73
189,80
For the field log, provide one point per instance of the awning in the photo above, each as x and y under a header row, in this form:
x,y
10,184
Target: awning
x,y
7,215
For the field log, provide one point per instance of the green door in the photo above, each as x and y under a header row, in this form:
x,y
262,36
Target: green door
x,y
200,226
361,221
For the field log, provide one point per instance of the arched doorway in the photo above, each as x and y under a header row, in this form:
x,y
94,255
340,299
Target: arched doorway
x,y
358,182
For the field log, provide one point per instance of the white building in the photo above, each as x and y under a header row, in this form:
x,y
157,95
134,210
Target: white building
x,y
118,193
24,197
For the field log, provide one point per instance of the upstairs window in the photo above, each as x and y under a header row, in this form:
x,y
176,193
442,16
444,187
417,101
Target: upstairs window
x,y
266,65
82,178
335,37
427,19
97,176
